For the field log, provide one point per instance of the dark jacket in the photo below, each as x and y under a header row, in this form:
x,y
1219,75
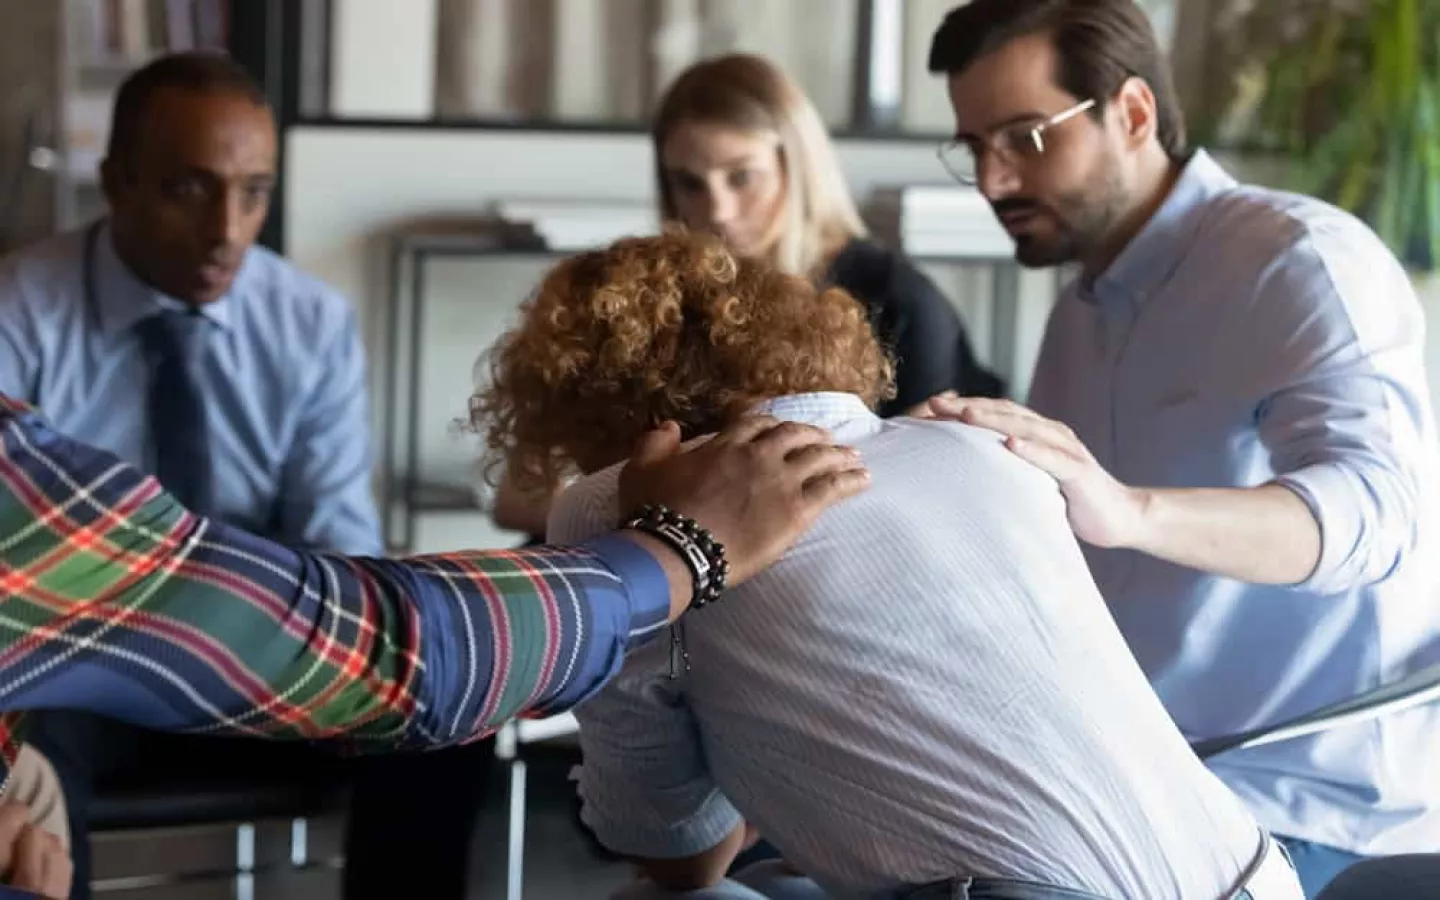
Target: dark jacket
x,y
916,323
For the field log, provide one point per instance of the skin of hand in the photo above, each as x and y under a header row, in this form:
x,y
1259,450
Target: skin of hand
x,y
756,486
32,859
1103,511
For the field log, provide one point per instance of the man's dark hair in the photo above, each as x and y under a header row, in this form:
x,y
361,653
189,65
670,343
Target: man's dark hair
x,y
200,71
1099,44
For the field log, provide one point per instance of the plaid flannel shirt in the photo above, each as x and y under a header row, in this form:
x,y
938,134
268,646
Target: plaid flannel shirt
x,y
115,599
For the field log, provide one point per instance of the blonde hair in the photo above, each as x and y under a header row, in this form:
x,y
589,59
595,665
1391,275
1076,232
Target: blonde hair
x,y
749,93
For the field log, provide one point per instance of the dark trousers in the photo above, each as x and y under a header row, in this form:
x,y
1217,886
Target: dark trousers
x,y
410,813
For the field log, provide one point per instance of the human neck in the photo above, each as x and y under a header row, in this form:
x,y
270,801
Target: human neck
x,y
132,257
1157,178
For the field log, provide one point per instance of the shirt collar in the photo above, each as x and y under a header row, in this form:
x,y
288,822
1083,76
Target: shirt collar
x,y
826,410
1153,254
121,299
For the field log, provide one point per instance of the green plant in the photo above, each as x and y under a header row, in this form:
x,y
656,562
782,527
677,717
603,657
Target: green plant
x,y
1350,92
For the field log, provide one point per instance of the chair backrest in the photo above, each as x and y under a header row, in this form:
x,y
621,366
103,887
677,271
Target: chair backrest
x,y
1414,690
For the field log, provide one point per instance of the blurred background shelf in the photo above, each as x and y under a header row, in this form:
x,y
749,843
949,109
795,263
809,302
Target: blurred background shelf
x,y
69,57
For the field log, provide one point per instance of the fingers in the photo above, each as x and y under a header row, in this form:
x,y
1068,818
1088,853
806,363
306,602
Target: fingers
x,y
948,406
1050,445
830,488
746,429
657,444
815,460
1060,463
1028,428
1012,420
926,408
14,817
41,864
785,438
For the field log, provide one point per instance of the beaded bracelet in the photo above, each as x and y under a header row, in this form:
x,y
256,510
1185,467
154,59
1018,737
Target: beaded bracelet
x,y
703,555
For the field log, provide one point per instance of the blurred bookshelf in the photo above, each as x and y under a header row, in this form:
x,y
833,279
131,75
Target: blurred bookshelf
x,y
103,42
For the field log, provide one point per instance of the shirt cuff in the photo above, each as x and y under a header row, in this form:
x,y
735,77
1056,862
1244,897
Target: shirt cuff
x,y
1328,490
643,579
626,836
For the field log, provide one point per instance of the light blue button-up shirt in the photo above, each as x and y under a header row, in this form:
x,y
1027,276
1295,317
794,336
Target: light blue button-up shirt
x,y
926,687
1248,335
283,379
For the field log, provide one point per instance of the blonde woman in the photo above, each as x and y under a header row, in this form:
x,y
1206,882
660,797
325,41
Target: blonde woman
x,y
741,151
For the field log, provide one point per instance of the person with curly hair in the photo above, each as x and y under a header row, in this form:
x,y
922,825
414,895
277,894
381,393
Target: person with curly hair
x,y
932,699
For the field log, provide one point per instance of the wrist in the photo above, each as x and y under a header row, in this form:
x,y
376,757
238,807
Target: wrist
x,y
696,547
1145,508
677,574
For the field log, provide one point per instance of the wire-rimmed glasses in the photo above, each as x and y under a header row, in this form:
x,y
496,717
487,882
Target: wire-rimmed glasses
x,y
1011,145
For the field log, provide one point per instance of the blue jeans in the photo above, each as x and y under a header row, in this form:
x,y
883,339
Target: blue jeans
x,y
1316,864
772,880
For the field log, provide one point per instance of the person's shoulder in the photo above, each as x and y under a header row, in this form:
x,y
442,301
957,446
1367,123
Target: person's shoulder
x,y
43,269
979,455
1256,227
1300,259
277,287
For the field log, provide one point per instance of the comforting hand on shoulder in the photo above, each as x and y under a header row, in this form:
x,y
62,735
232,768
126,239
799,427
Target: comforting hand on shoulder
x,y
1102,511
757,485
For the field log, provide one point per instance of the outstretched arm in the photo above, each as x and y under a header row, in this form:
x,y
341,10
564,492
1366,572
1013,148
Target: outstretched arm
x,y
115,599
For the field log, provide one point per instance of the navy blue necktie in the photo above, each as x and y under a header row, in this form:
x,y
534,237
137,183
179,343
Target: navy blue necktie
x,y
173,342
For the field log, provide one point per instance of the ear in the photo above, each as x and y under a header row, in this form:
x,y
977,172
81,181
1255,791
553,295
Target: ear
x,y
1134,104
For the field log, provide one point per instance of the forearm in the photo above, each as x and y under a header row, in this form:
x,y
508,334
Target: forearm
x,y
243,637
128,606
1264,535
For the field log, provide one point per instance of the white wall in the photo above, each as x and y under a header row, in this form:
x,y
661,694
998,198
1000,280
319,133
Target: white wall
x,y
382,56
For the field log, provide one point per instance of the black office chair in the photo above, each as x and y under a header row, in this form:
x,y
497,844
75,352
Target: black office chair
x,y
1416,689
1412,877
185,805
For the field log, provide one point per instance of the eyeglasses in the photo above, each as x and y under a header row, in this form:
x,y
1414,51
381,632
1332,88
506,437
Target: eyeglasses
x,y
1012,145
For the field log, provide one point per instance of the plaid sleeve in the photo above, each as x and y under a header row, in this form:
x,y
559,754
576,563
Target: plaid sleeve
x,y
115,599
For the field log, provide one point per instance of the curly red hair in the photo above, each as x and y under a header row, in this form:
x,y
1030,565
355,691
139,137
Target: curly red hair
x,y
674,327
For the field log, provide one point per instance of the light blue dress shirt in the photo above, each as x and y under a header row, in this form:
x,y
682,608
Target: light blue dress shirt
x,y
1244,336
283,379
927,686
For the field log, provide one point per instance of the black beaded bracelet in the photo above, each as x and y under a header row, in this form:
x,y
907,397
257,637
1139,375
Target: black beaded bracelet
x,y
703,555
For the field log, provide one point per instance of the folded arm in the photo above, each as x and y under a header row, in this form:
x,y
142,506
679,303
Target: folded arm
x,y
645,788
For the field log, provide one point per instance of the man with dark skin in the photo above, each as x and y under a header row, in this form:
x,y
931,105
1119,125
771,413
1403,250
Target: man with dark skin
x,y
188,201
162,334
